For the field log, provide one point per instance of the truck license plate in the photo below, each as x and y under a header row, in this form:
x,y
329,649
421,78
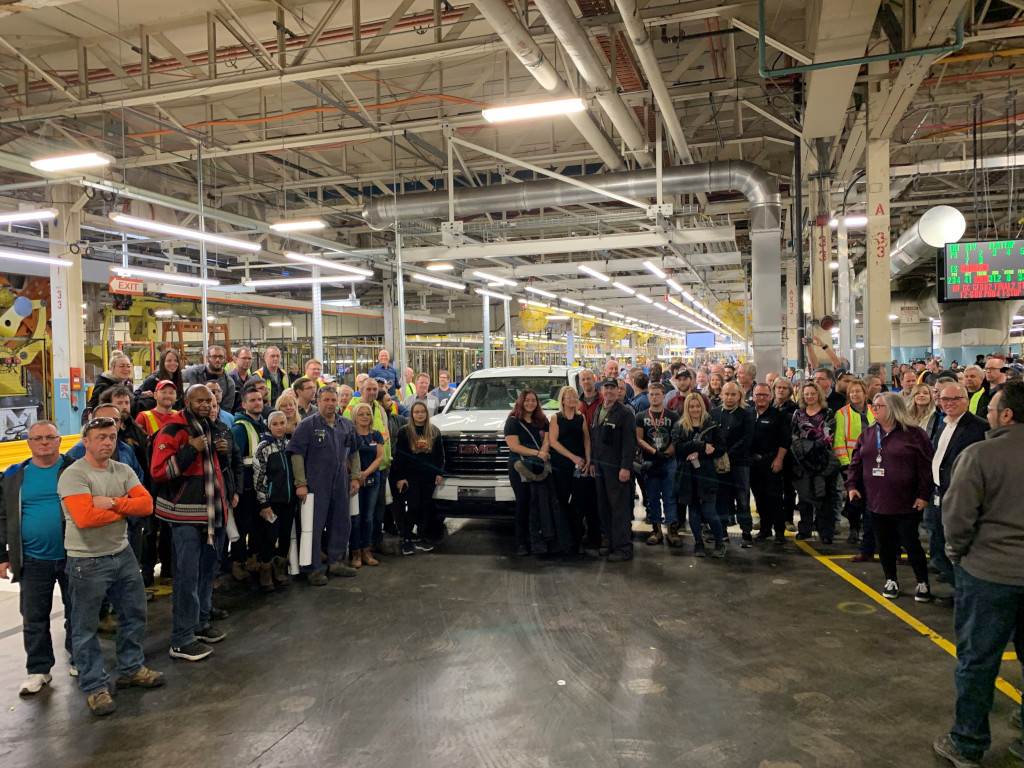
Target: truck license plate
x,y
476,494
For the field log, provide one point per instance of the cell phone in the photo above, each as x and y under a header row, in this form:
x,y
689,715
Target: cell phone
x,y
808,340
272,518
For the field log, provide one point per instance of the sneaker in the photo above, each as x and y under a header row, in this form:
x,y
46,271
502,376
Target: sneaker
x,y
826,540
803,536
854,537
218,614
317,578
423,545
144,678
761,537
194,651
944,747
101,704
891,589
210,635
408,548
34,684
780,539
699,550
747,541
718,551
618,557
923,593
340,569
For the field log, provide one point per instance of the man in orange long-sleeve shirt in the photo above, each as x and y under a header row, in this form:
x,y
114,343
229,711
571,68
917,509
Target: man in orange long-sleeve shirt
x,y
98,495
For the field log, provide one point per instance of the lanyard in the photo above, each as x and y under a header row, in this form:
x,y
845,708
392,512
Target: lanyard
x,y
878,442
661,418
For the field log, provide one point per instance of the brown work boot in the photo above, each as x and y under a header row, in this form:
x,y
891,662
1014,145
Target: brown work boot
x,y
252,565
280,568
674,539
101,704
357,559
266,577
338,568
238,573
368,558
144,678
656,536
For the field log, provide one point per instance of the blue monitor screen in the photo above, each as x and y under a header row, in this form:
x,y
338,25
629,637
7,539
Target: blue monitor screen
x,y
700,340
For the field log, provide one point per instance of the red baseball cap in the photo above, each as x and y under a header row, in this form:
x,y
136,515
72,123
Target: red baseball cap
x,y
165,383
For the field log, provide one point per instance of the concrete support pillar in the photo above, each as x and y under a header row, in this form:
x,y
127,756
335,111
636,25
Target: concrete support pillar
x,y
318,321
487,332
766,290
793,332
509,346
393,307
65,313
847,331
975,328
570,343
877,331
821,257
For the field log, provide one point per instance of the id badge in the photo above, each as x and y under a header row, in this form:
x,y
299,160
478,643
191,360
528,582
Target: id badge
x,y
936,501
877,472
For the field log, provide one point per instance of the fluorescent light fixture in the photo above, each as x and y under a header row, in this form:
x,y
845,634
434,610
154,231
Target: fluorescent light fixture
x,y
687,296
531,111
673,312
298,225
592,308
71,162
558,317
34,258
833,265
283,281
644,298
534,303
654,268
594,273
572,301
541,292
281,324
167,277
327,264
494,279
674,285
897,317
189,234
439,281
15,216
624,288
440,267
616,314
493,295
630,319
164,312
851,221
662,307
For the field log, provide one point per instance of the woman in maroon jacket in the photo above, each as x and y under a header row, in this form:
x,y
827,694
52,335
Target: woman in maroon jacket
x,y
891,469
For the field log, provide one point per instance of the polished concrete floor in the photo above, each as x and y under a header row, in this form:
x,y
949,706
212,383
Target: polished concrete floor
x,y
469,657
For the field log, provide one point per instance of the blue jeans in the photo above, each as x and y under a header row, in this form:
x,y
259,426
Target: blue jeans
x,y
661,494
937,544
987,616
735,487
36,598
91,579
195,568
362,526
710,516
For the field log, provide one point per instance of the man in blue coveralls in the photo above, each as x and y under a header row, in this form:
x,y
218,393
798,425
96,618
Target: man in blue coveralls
x,y
324,457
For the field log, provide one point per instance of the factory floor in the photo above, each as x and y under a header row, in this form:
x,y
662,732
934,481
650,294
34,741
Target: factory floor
x,y
470,657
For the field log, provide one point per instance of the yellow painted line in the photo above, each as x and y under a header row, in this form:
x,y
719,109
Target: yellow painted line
x,y
920,626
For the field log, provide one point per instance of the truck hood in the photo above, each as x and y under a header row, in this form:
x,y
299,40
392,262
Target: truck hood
x,y
486,422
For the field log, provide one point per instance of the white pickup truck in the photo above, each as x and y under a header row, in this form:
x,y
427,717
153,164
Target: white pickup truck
x,y
472,427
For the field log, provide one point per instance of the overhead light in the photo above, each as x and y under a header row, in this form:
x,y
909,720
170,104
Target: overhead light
x,y
558,317
282,281
593,273
327,264
534,303
71,162
298,225
616,314
662,307
541,292
687,296
167,277
190,234
34,258
655,269
674,285
592,308
851,221
39,215
439,281
164,312
495,280
630,319
624,288
440,267
833,265
897,317
644,298
493,295
574,302
535,110
281,324
673,312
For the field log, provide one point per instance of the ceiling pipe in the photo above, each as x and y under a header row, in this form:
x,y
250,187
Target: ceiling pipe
x,y
760,189
511,30
570,33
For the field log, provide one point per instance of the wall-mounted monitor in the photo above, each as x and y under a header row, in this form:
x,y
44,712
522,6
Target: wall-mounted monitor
x,y
981,271
700,340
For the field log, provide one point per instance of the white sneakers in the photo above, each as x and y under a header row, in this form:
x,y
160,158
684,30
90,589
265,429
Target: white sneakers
x,y
34,684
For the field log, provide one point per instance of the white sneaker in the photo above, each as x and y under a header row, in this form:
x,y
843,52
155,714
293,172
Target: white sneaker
x,y
73,670
923,594
33,684
891,589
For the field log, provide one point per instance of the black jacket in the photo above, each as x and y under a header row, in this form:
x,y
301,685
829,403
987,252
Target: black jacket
x,y
969,430
738,429
10,513
687,442
231,460
417,467
613,442
103,382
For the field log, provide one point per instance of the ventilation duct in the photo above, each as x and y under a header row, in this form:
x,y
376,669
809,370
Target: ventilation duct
x,y
938,226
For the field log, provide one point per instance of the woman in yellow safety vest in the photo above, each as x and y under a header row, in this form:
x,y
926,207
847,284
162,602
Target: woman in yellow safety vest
x,y
851,420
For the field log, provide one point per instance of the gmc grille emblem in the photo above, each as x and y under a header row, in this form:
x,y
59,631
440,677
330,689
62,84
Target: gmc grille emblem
x,y
478,450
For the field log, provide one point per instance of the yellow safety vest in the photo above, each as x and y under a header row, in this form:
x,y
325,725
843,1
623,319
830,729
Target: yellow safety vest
x,y
254,441
848,429
976,400
380,424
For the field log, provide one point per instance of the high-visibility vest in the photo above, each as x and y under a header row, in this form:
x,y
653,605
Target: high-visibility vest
x,y
975,400
270,382
380,424
253,439
848,429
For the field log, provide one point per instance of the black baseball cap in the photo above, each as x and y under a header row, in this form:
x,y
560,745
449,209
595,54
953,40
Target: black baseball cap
x,y
610,382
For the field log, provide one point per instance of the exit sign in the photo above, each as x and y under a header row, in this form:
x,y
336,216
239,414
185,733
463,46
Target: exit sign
x,y
125,285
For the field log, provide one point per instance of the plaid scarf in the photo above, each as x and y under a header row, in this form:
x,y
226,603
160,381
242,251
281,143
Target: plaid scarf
x,y
198,427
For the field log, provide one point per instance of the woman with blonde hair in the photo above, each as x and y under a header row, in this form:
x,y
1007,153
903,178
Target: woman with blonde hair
x,y
714,393
816,464
418,468
921,408
569,440
289,406
698,442
371,454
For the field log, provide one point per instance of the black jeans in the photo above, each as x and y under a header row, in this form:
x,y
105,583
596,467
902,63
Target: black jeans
x,y
419,499
591,515
37,580
894,531
788,489
158,548
569,490
247,520
767,489
275,538
615,505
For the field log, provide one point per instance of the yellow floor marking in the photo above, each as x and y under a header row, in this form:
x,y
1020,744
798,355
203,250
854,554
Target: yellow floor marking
x,y
889,605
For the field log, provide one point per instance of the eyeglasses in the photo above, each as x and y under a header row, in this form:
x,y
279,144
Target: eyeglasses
x,y
951,399
44,438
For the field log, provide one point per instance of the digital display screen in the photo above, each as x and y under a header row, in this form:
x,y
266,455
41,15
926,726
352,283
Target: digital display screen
x,y
982,271
700,340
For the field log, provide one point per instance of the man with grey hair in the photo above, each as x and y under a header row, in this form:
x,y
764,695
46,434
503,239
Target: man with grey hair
x,y
120,372
974,380
746,377
272,373
240,371
213,370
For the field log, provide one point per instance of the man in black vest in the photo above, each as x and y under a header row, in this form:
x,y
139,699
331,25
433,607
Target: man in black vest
x,y
613,447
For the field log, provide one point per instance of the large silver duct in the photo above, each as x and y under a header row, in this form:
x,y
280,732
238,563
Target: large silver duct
x,y
577,44
936,227
520,42
760,189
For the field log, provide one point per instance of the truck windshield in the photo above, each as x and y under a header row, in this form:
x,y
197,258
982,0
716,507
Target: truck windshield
x,y
483,394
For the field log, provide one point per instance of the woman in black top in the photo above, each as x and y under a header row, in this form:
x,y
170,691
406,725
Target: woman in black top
x,y
569,439
168,368
526,436
782,400
418,468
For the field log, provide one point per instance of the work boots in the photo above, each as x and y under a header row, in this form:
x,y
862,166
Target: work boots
x,y
357,559
368,558
266,577
656,536
674,539
280,569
